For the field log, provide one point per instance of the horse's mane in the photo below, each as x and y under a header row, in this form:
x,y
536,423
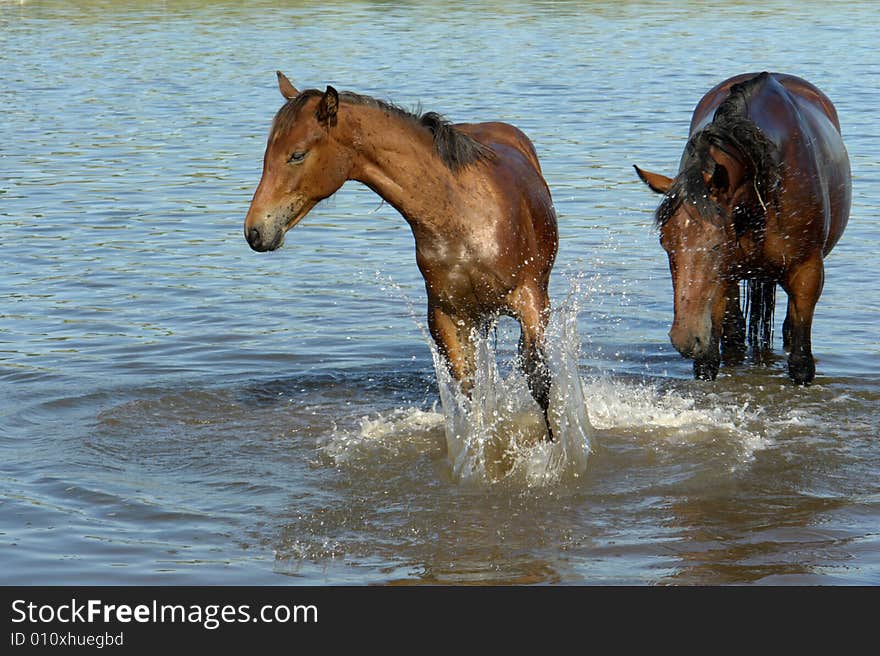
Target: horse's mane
x,y
730,126
455,148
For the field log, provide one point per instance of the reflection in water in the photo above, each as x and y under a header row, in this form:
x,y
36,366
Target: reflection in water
x,y
742,540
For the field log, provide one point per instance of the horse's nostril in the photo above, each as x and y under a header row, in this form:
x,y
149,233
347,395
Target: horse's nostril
x,y
253,237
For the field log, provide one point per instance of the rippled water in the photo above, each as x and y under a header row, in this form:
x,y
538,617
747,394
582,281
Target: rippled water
x,y
176,408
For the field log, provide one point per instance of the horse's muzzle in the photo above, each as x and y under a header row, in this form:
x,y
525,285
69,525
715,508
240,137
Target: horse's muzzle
x,y
688,344
704,353
260,242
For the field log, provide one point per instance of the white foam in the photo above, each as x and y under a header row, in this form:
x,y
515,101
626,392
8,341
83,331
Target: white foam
x,y
673,417
401,430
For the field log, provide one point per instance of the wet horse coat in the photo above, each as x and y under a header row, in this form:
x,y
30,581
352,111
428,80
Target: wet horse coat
x,y
473,195
762,194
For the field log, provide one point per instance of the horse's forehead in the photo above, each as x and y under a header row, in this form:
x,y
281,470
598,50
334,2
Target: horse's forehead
x,y
281,134
687,220
289,120
277,134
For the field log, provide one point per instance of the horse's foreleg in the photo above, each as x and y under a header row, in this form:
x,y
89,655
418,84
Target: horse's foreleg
x,y
532,310
803,285
453,341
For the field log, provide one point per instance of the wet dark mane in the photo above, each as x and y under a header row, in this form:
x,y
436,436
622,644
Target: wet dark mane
x,y
455,148
730,127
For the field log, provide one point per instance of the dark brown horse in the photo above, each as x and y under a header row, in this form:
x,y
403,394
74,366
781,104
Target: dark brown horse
x,y
473,194
762,194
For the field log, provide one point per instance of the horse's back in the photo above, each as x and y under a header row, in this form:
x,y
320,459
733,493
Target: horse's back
x,y
797,86
803,123
516,168
496,133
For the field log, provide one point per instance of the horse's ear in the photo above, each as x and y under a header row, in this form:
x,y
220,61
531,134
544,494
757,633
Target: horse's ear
x,y
658,183
286,88
722,173
328,106
716,178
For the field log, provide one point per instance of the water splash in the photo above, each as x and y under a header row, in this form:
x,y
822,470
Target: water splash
x,y
497,431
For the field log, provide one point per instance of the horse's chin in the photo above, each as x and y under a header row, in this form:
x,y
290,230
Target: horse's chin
x,y
295,218
277,244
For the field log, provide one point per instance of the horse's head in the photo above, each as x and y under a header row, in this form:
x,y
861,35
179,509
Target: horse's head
x,y
697,232
303,165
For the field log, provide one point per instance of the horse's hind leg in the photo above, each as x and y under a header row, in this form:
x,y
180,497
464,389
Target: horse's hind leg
x,y
733,331
786,327
532,309
803,285
762,300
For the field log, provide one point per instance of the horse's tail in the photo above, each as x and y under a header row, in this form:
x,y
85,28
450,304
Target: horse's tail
x,y
758,305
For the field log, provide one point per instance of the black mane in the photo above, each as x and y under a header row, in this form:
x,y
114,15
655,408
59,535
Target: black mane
x,y
455,148
730,126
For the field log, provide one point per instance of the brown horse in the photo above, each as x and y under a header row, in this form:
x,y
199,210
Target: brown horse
x,y
762,194
473,195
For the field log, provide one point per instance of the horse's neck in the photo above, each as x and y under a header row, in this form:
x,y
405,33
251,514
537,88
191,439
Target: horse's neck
x,y
396,160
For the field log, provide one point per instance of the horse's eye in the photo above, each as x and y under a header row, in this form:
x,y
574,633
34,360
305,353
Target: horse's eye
x,y
297,157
